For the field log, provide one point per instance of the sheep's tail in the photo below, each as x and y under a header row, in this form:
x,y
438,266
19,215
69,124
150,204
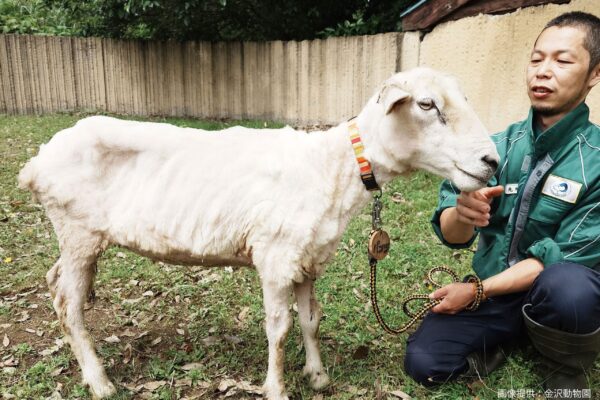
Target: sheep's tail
x,y
27,177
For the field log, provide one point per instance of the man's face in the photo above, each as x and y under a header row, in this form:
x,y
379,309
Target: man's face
x,y
558,71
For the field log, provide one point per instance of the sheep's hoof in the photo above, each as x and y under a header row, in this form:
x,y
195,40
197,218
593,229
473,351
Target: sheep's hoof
x,y
317,379
276,394
101,391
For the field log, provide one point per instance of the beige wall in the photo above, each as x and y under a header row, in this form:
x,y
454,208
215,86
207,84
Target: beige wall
x,y
489,55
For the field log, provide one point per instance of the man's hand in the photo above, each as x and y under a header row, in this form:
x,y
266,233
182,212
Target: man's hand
x,y
473,208
456,297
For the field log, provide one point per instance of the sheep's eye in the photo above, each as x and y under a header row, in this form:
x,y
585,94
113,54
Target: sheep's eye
x,y
426,104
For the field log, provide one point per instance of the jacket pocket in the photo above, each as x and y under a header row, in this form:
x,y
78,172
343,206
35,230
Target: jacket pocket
x,y
543,221
549,210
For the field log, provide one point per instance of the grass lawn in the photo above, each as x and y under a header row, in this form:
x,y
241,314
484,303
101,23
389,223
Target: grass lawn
x,y
198,332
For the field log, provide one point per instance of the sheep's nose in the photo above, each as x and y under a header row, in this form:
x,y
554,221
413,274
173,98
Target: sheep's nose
x,y
491,161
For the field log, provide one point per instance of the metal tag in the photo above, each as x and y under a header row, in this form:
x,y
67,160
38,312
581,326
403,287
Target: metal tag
x,y
379,244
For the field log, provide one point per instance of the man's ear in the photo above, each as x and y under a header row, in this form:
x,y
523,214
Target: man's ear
x,y
594,76
390,96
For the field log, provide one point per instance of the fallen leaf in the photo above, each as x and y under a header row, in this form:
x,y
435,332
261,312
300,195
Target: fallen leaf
x,y
141,335
127,353
56,394
243,314
49,351
57,371
128,333
11,362
191,366
134,282
180,331
356,391
226,384
154,385
5,326
156,341
397,197
210,340
148,293
8,260
112,339
6,340
24,316
27,293
132,387
133,301
233,339
183,382
400,394
249,388
29,330
121,255
476,385
9,370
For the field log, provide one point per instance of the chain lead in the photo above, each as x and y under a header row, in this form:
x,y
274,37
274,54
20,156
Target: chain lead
x,y
376,212
428,303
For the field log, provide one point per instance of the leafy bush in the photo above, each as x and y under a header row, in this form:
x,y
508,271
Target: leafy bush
x,y
201,19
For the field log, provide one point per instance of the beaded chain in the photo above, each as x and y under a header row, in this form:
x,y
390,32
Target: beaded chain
x,y
378,249
429,302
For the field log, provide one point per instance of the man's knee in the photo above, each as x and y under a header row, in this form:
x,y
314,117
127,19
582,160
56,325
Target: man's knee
x,y
430,369
566,296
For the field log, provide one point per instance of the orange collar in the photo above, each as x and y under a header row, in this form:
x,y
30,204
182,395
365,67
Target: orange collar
x,y
366,172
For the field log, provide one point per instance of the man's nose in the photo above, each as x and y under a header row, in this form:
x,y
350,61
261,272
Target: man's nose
x,y
543,70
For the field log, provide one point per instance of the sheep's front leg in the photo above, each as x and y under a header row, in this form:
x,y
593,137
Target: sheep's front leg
x,y
278,322
70,281
309,312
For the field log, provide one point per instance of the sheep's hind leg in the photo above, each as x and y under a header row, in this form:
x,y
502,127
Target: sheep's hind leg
x,y
70,281
309,312
278,323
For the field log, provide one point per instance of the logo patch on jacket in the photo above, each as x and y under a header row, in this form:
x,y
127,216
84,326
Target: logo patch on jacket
x,y
561,188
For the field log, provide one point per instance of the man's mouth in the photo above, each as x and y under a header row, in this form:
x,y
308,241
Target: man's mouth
x,y
541,92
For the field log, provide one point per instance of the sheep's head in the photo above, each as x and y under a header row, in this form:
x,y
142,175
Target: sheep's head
x,y
427,123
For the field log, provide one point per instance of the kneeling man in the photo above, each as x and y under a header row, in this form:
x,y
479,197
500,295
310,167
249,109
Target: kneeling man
x,y
539,230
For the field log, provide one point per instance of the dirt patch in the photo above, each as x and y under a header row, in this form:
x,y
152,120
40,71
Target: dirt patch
x,y
127,341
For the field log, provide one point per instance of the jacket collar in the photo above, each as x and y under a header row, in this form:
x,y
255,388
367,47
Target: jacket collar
x,y
559,134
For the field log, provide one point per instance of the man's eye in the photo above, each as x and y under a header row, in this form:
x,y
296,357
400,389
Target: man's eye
x,y
565,62
535,60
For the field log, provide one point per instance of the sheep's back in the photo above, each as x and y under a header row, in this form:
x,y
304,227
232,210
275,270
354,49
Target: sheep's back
x,y
156,186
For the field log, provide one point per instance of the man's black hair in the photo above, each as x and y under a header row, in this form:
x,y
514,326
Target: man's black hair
x,y
590,24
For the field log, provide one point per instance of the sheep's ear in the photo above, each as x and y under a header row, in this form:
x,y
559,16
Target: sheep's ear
x,y
391,95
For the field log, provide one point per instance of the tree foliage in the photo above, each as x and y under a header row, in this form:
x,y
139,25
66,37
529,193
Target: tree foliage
x,y
202,19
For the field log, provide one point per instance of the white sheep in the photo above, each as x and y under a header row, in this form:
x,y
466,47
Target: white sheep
x,y
277,200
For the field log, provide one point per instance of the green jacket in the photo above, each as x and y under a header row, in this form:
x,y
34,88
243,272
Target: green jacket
x,y
550,208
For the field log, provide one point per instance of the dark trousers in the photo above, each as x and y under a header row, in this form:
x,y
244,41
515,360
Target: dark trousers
x,y
564,296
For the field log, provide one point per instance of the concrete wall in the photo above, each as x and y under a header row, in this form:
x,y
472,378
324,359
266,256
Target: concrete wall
x,y
489,55
323,81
